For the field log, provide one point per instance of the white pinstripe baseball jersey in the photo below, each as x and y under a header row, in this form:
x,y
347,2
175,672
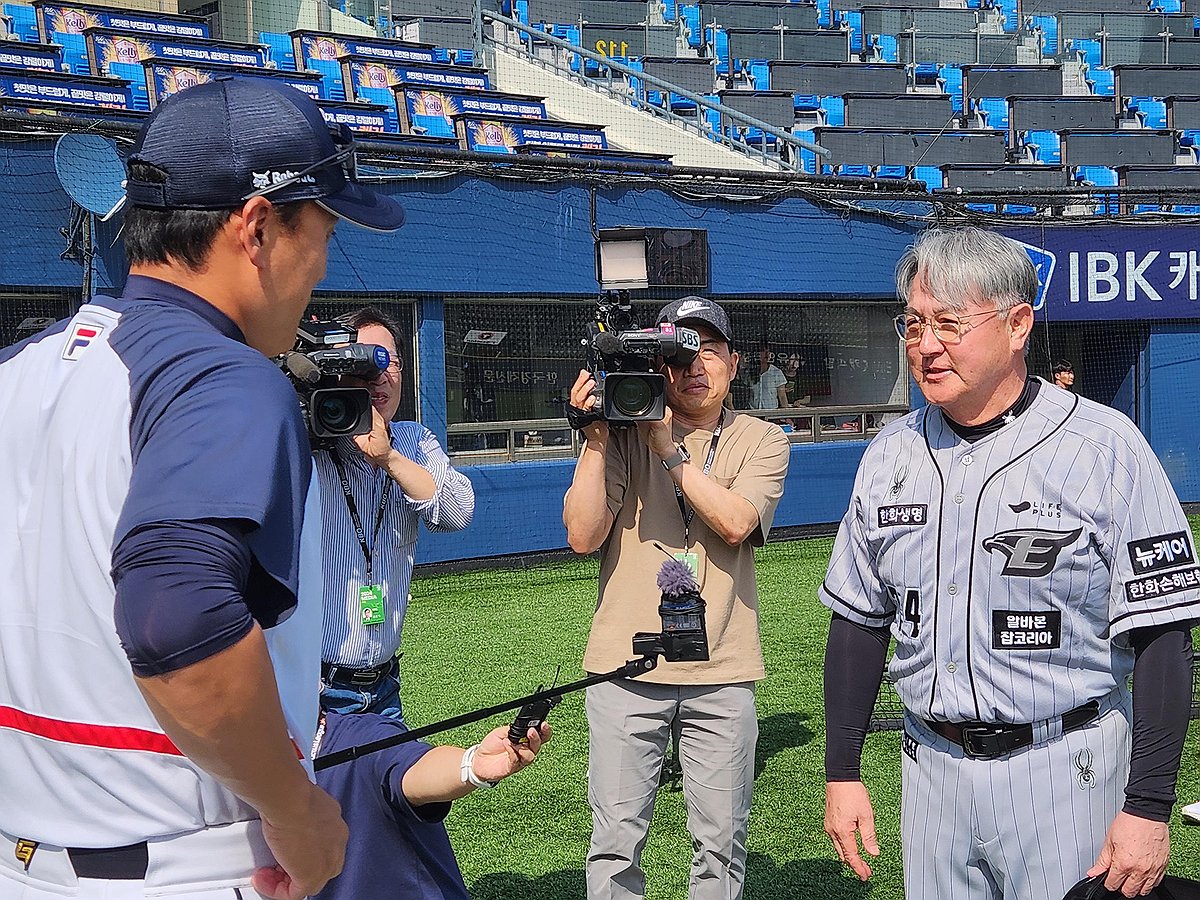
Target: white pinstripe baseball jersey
x,y
1009,568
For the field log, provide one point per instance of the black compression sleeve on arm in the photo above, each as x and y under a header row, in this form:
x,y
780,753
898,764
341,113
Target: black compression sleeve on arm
x,y
181,593
854,659
1162,700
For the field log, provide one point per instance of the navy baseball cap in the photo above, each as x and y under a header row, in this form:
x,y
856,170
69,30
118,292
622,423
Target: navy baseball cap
x,y
690,310
221,143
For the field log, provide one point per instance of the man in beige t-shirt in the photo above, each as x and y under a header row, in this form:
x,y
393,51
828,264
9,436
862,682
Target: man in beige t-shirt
x,y
702,485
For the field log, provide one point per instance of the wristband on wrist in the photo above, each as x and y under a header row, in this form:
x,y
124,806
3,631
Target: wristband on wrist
x,y
678,458
467,773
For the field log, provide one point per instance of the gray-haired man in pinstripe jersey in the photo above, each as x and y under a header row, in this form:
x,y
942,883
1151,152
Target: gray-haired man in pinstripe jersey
x,y
375,490
1024,549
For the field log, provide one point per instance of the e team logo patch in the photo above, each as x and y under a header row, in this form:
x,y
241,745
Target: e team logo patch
x,y
79,339
1030,552
1164,551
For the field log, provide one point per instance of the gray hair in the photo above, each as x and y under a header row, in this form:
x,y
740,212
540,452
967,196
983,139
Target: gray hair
x,y
957,265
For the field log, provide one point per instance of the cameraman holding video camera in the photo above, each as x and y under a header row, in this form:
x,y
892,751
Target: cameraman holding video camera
x,y
376,488
700,485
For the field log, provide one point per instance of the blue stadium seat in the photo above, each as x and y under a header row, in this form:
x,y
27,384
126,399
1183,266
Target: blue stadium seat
x,y
669,10
1088,51
825,13
854,171
521,11
279,47
1047,146
1151,113
886,47
1048,26
925,74
1100,176
806,102
330,71
995,112
1146,208
384,97
1009,8
835,110
931,175
760,76
951,82
1166,6
695,31
808,159
718,40
853,20
24,21
1101,81
74,52
891,172
139,98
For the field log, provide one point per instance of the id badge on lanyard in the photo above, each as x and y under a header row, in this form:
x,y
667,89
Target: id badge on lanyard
x,y
370,595
692,560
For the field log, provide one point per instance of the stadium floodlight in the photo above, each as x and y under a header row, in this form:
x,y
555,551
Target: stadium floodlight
x,y
621,259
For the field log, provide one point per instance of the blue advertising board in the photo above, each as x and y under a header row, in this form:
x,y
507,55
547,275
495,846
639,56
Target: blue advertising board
x,y
75,18
1100,273
166,78
105,46
368,73
498,135
357,116
432,110
77,90
309,45
43,57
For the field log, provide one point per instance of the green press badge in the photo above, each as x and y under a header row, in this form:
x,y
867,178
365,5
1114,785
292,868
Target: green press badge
x,y
370,603
692,561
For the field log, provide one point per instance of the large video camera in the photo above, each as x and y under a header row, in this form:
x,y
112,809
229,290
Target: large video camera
x,y
324,352
620,356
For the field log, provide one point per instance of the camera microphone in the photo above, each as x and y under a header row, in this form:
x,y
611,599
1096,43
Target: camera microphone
x,y
684,636
302,368
608,344
675,580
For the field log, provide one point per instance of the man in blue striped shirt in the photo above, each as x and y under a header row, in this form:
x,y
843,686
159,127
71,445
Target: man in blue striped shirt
x,y
375,488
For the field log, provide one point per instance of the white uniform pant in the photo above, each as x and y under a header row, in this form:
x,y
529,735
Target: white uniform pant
x,y
213,864
1026,826
629,726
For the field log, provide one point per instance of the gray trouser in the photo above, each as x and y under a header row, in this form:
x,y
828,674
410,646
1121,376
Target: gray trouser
x,y
1023,827
629,726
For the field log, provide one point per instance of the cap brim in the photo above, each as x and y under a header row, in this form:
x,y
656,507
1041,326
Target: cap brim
x,y
696,320
365,208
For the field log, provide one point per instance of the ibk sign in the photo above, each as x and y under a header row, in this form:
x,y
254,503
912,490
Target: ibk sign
x,y
1090,273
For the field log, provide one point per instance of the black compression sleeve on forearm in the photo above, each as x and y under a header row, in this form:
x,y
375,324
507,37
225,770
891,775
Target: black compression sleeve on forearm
x,y
1162,700
854,658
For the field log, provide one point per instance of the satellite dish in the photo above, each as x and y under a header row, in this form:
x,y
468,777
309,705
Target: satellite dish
x,y
91,172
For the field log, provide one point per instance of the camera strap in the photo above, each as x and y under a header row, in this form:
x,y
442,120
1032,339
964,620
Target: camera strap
x,y
688,512
352,508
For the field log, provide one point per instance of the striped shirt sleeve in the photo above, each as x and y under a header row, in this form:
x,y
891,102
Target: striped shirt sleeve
x,y
453,502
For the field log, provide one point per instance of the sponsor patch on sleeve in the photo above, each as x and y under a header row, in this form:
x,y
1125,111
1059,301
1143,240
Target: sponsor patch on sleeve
x,y
1165,551
1012,630
1154,586
912,514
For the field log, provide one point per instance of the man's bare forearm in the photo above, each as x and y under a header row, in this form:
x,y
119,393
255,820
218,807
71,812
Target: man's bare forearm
x,y
585,508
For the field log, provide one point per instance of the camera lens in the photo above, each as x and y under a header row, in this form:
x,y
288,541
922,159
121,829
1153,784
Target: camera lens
x,y
336,414
633,397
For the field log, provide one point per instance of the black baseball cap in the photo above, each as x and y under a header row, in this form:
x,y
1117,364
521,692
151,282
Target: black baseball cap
x,y
228,140
690,310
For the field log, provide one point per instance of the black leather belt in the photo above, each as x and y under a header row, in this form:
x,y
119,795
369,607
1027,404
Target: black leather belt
x,y
982,741
111,863
346,675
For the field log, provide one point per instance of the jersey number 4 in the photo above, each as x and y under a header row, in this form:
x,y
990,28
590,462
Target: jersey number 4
x,y
912,611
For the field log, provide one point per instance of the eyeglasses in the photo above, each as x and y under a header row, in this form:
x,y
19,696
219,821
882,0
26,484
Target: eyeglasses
x,y
343,141
947,328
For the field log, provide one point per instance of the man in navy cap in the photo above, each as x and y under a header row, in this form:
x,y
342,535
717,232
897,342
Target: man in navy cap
x,y
157,674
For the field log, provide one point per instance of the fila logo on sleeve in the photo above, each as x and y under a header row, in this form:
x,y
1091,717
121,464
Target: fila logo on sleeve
x,y
80,338
1030,552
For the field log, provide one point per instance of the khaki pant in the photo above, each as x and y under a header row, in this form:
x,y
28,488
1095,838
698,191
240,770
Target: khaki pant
x,y
629,725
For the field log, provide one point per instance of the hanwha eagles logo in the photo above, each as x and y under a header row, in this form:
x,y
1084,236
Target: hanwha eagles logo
x,y
1030,552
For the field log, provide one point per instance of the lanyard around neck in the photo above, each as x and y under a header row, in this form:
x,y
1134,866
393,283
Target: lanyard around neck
x,y
685,511
352,508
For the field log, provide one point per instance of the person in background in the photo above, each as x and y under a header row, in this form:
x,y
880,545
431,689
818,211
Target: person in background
x,y
1064,375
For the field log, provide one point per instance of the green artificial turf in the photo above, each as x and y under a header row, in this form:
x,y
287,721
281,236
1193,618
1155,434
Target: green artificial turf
x,y
480,638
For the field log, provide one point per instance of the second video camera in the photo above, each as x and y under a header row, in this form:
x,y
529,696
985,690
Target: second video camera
x,y
324,352
620,357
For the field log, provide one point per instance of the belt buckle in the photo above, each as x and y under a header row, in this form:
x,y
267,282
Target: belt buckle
x,y
982,741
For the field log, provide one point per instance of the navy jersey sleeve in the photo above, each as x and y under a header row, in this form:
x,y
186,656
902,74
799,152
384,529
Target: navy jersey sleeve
x,y
215,434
